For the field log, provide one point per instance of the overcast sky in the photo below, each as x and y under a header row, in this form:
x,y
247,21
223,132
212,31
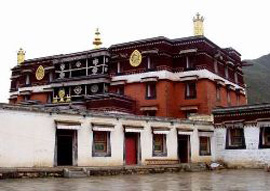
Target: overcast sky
x,y
52,27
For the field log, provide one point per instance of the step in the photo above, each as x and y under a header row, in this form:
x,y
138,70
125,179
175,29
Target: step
x,y
75,173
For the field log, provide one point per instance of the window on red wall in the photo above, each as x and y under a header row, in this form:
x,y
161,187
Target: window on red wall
x,y
228,97
150,91
190,90
218,92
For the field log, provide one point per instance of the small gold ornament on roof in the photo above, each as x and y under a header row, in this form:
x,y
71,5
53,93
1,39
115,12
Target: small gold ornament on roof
x,y
40,73
198,25
61,95
20,56
97,40
135,58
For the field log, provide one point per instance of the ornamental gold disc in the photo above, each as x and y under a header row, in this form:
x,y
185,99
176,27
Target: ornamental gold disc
x,y
135,58
40,73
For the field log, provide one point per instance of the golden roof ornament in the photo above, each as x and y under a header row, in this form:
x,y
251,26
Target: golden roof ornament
x,y
97,40
20,56
198,25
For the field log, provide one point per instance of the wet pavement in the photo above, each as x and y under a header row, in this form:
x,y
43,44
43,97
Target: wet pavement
x,y
233,180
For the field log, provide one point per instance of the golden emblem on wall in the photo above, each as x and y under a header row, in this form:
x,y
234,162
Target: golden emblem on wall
x,y
135,58
40,73
61,95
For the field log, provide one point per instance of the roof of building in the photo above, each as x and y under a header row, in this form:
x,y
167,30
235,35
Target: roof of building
x,y
241,109
84,112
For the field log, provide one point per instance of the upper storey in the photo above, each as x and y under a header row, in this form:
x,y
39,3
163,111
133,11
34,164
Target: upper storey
x,y
178,55
60,68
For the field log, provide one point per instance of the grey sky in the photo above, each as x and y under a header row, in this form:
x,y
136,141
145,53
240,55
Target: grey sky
x,y
52,27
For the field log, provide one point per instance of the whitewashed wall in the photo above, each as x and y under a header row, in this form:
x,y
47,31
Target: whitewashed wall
x,y
28,139
252,156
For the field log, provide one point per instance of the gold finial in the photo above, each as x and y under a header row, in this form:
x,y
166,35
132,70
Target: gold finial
x,y
97,41
20,56
198,25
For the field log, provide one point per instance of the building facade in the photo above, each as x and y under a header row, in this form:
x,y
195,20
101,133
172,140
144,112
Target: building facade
x,y
242,135
47,137
155,77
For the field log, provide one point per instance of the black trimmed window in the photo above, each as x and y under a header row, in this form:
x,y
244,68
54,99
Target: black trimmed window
x,y
150,91
191,92
150,64
235,138
101,144
118,68
205,146
264,140
159,145
190,63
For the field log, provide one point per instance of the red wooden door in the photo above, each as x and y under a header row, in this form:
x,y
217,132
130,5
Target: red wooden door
x,y
131,148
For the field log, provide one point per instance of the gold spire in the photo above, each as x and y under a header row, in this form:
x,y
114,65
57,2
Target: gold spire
x,y
20,56
198,24
97,41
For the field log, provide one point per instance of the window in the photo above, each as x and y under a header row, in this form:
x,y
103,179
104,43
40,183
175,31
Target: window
x,y
237,99
191,90
120,90
228,97
159,145
118,69
50,77
236,77
216,66
189,63
205,146
264,137
150,91
150,113
218,90
101,144
150,65
27,79
235,138
226,72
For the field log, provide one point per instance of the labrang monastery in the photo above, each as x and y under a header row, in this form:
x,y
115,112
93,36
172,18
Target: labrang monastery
x,y
142,102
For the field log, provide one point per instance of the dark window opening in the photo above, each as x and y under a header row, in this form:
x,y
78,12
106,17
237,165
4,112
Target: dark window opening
x,y
150,91
159,145
205,146
264,137
235,138
150,64
150,113
190,63
191,90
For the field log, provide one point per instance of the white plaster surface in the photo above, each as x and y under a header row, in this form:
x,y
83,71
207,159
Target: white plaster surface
x,y
28,139
252,156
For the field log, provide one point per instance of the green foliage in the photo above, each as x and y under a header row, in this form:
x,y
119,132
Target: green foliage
x,y
257,78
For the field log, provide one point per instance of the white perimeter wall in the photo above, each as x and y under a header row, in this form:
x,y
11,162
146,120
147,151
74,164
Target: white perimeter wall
x,y
252,156
28,139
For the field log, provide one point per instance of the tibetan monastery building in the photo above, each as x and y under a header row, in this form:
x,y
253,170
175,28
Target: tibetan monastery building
x,y
154,77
